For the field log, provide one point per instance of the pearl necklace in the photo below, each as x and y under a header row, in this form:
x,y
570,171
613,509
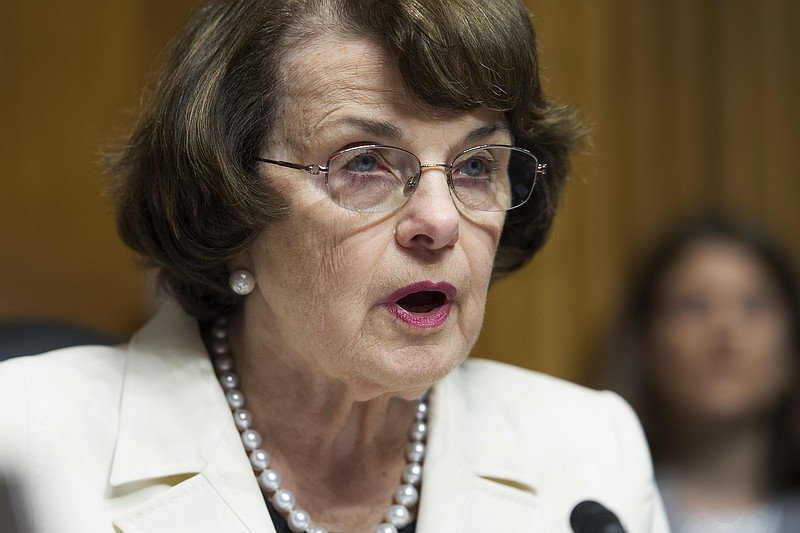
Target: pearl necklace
x,y
406,495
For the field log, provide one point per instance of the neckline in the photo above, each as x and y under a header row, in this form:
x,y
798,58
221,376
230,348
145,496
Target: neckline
x,y
281,526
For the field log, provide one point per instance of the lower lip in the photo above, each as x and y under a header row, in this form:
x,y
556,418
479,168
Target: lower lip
x,y
431,319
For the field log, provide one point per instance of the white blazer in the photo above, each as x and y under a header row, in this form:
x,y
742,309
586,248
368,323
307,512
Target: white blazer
x,y
140,438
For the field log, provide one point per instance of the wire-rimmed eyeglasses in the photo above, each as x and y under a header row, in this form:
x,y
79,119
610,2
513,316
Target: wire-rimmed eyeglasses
x,y
375,178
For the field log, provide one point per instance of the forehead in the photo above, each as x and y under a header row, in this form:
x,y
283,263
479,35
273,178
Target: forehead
x,y
333,79
712,264
333,65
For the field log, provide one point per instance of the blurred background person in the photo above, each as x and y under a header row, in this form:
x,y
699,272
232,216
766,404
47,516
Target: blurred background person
x,y
708,353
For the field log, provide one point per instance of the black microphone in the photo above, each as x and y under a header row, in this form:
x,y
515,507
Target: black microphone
x,y
592,517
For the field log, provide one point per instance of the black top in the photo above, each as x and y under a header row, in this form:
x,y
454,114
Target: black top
x,y
282,527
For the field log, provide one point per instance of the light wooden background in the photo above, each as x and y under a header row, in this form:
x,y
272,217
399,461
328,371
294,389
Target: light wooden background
x,y
691,102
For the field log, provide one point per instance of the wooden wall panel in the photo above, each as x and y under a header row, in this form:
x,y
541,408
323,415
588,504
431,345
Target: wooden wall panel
x,y
691,104
72,78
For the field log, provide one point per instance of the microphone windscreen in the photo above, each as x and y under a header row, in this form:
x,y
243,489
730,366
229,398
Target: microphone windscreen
x,y
592,517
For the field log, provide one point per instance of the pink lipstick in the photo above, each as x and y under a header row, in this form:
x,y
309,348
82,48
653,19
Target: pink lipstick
x,y
422,305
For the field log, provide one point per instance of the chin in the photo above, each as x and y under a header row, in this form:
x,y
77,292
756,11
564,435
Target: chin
x,y
406,374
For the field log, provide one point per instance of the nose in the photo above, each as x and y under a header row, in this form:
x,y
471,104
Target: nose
x,y
726,318
430,219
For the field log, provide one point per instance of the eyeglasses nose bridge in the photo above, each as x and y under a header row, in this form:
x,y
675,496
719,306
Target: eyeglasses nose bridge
x,y
411,185
444,166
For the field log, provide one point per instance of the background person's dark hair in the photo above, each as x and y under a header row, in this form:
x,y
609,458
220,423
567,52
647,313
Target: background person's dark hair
x,y
627,346
189,197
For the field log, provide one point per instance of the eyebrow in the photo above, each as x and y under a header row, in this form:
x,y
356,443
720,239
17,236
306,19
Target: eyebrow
x,y
378,128
483,132
387,130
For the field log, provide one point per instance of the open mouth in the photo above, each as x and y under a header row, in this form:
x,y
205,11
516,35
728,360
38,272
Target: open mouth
x,y
424,304
422,301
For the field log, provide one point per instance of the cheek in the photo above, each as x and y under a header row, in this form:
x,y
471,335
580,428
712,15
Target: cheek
x,y
769,336
770,358
480,239
327,266
481,265
674,359
314,259
480,249
679,344
340,284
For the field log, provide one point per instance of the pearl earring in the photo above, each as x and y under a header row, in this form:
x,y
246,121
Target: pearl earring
x,y
242,282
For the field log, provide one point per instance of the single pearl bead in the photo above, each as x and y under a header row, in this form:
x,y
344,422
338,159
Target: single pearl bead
x,y
407,495
298,520
283,500
316,529
422,410
228,380
386,528
398,516
243,419
235,398
269,480
223,363
415,452
251,439
221,347
418,431
412,473
259,459
219,331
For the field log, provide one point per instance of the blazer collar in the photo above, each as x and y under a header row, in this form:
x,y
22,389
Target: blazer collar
x,y
476,478
180,465
181,461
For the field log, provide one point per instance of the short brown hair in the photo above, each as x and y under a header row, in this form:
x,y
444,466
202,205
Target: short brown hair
x,y
188,195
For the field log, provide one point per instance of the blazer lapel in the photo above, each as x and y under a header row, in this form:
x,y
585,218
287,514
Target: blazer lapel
x,y
474,480
179,464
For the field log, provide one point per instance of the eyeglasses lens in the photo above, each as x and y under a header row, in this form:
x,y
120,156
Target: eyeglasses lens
x,y
372,179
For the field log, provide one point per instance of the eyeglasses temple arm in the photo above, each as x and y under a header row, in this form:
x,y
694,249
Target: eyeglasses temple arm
x,y
311,169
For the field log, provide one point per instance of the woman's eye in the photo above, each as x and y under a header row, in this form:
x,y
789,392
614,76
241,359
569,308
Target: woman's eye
x,y
363,163
689,307
755,305
481,167
475,167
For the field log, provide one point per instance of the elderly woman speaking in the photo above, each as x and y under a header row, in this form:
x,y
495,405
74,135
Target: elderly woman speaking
x,y
327,189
